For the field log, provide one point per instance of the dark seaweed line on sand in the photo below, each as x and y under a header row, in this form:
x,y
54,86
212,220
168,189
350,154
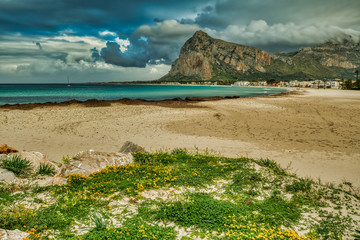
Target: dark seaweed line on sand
x,y
174,102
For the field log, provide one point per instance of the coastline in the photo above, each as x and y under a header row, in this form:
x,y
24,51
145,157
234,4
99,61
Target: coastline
x,y
102,103
315,130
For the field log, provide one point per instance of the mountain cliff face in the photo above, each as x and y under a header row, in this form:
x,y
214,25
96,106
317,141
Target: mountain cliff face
x,y
206,58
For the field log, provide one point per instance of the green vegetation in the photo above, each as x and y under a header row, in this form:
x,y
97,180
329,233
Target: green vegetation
x,y
347,84
66,159
178,194
357,84
46,169
17,165
203,211
303,185
99,221
357,235
179,78
131,232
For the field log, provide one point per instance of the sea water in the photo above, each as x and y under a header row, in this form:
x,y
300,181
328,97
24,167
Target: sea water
x,y
41,93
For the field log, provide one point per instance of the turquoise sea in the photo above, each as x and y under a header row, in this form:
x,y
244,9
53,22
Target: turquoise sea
x,y
41,93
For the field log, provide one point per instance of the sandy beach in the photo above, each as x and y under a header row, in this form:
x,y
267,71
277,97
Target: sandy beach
x,y
315,131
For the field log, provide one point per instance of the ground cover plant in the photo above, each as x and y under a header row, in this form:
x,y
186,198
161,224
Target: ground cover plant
x,y
183,195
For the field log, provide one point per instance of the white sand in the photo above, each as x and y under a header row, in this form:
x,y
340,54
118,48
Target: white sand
x,y
318,132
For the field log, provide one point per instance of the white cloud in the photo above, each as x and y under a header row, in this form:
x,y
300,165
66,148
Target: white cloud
x,y
222,13
259,33
257,26
124,43
85,41
56,71
166,29
59,54
104,33
153,70
166,38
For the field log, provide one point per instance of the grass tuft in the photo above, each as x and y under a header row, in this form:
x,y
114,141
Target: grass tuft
x,y
273,166
17,165
179,151
66,159
46,169
99,220
357,235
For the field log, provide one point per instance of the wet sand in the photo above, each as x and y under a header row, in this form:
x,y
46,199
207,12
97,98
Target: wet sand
x,y
315,130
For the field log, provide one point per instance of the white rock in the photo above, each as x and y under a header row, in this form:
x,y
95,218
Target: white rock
x,y
87,162
6,176
12,234
130,147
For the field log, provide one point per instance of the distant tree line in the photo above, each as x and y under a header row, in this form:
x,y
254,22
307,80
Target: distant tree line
x,y
348,84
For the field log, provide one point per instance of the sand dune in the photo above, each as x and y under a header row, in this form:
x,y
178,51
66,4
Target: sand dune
x,y
316,130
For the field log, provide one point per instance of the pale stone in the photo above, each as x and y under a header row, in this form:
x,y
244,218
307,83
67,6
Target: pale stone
x,y
87,162
130,147
6,176
12,234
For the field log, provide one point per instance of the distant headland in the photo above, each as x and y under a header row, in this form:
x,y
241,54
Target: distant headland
x,y
203,58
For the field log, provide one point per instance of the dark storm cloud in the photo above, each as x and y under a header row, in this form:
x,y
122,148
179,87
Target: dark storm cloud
x,y
343,13
44,16
27,53
52,15
137,54
150,44
95,55
280,25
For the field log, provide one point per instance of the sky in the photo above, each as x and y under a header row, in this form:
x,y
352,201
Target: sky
x,y
44,41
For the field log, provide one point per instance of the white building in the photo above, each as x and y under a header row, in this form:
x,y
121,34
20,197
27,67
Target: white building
x,y
241,83
334,84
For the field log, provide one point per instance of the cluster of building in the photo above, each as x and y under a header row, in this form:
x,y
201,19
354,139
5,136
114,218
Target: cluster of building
x,y
303,84
336,83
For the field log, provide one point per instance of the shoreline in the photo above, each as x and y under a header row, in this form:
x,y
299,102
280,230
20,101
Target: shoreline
x,y
103,103
314,130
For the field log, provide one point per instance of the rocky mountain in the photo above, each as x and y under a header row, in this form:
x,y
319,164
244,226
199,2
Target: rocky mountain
x,y
203,58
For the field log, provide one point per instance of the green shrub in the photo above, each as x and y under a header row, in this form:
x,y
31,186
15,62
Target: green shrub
x,y
131,232
68,208
46,169
332,226
16,216
303,185
203,211
76,180
200,210
179,151
246,178
272,165
155,158
17,165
